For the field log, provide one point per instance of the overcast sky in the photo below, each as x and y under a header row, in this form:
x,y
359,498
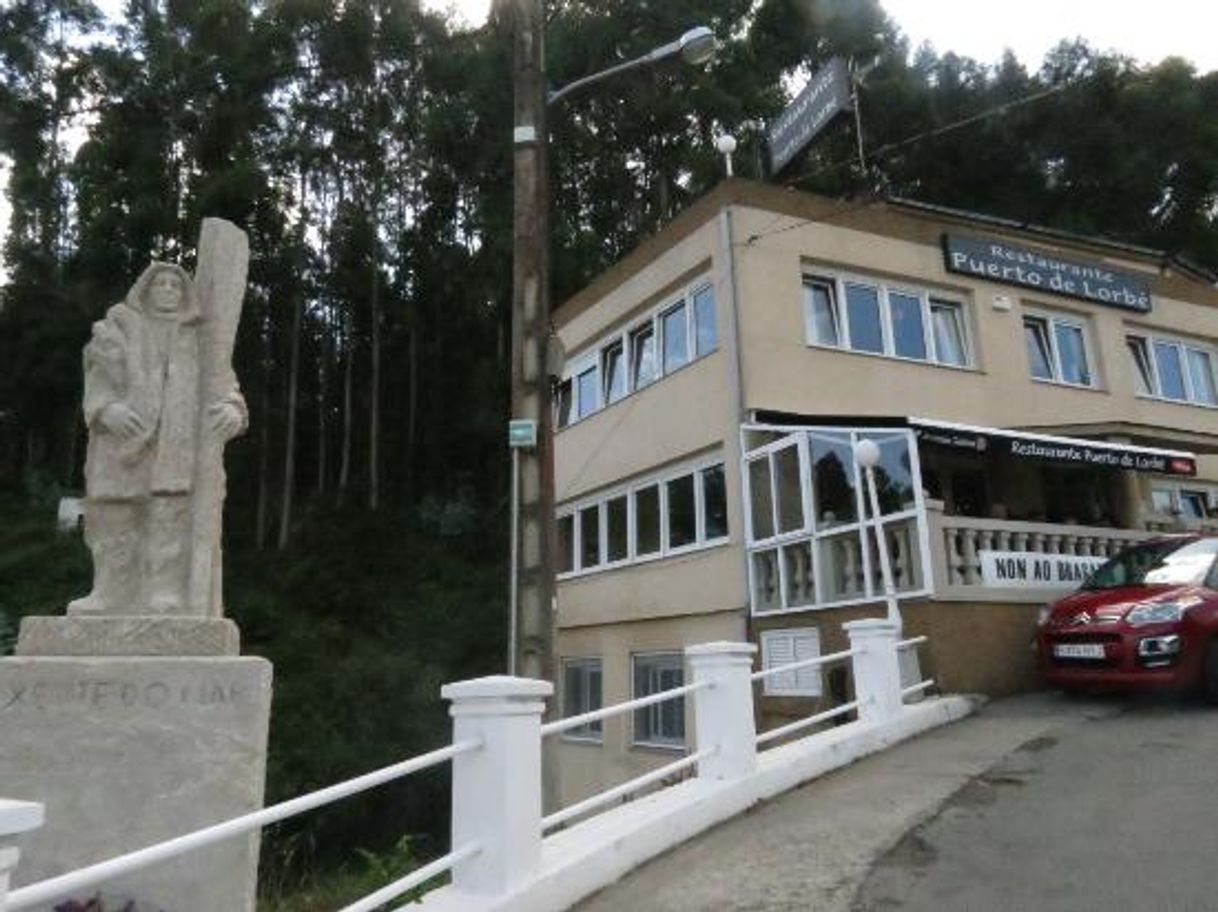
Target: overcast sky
x,y
982,29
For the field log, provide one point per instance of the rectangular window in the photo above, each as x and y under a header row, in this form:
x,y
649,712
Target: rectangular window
x,y
863,316
947,321
789,489
562,404
661,724
761,499
908,333
566,543
1169,369
647,520
682,512
714,504
1171,372
587,397
617,533
1193,504
613,373
820,312
1143,372
706,337
1057,349
581,693
642,356
783,647
676,338
899,322
589,537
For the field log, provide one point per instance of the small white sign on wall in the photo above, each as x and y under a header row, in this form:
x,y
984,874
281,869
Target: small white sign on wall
x,y
1030,570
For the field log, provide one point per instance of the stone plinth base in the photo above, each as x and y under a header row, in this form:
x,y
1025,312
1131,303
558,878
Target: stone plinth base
x,y
118,635
128,752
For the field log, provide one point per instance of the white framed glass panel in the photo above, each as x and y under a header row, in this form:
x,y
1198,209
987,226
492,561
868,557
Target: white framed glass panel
x,y
589,537
908,333
617,532
821,313
1071,353
661,723
613,372
566,544
789,485
714,503
676,338
706,337
767,594
1143,373
1040,355
894,481
947,321
642,356
1201,376
586,394
562,404
647,520
761,498
1171,371
682,512
1193,504
863,318
798,574
1161,500
834,496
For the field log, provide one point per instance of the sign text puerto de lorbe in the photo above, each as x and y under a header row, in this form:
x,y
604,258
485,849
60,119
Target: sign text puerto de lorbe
x,y
999,261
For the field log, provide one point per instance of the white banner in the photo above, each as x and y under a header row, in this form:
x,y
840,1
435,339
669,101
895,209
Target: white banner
x,y
1029,570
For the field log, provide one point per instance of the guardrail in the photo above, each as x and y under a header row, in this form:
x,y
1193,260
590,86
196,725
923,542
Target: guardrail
x,y
497,827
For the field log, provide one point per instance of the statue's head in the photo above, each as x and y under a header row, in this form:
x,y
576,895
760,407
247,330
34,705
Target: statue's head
x,y
164,290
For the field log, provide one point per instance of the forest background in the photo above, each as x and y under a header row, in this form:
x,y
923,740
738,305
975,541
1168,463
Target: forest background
x,y
364,145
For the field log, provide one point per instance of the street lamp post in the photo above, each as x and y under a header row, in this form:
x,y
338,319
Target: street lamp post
x,y
533,528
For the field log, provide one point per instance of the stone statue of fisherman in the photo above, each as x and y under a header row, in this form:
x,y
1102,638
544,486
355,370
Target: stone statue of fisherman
x,y
143,403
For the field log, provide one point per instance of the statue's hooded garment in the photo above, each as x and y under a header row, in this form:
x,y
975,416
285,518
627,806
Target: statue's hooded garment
x,y
150,362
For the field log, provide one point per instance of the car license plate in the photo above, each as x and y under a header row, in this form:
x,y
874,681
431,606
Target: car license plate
x,y
1078,650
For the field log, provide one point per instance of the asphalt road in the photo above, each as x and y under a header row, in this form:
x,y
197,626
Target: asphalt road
x,y
1037,803
1119,812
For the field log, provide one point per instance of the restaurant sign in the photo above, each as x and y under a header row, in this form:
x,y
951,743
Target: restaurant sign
x,y
999,261
825,96
1070,451
1029,569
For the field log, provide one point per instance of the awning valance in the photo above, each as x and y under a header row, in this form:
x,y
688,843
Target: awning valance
x,y
1068,450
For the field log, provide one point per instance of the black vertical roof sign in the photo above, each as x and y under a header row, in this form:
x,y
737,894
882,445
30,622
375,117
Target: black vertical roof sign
x,y
825,96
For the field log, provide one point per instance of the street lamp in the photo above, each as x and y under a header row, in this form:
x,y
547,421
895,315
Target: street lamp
x,y
531,602
867,455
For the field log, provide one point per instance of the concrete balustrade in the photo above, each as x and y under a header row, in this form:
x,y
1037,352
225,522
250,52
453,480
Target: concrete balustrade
x,y
723,712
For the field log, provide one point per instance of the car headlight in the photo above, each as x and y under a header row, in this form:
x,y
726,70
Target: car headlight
x,y
1155,613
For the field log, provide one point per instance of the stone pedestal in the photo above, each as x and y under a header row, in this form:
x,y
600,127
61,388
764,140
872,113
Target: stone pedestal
x,y
125,752
123,635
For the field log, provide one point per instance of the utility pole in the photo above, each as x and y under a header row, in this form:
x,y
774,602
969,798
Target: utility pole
x,y
534,567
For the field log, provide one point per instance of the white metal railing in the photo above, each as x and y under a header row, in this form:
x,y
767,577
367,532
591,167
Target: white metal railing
x,y
55,888
497,825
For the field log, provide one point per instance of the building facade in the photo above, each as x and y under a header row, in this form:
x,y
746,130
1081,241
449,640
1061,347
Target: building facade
x,y
1039,399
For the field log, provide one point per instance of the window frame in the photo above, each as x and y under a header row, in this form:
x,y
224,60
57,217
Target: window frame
x,y
1051,320
590,732
630,491
671,658
928,298
593,357
1148,340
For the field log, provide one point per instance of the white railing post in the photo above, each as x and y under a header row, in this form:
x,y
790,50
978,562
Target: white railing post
x,y
877,667
16,817
496,790
723,712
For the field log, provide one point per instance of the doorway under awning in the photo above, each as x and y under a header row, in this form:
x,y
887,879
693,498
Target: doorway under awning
x,y
1074,451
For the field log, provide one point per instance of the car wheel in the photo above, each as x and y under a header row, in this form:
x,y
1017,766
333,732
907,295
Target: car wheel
x,y
1209,672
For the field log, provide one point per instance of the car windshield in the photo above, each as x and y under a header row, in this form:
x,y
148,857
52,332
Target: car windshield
x,y
1159,563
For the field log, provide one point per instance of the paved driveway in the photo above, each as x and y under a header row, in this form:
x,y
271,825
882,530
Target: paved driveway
x,y
1036,803
1117,813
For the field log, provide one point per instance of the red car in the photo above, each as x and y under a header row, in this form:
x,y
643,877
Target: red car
x,y
1148,618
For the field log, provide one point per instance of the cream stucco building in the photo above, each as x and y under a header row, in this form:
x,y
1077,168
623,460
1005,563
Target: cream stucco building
x,y
1038,398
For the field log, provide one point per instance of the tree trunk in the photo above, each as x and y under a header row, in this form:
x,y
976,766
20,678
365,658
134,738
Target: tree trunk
x,y
289,449
374,384
323,404
264,442
412,407
344,469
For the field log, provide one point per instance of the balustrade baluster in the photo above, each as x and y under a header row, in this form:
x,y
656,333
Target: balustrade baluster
x,y
1020,541
951,552
1069,544
972,565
